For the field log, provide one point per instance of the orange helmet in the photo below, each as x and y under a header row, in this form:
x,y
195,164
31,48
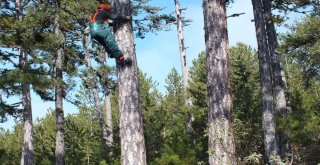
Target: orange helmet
x,y
103,6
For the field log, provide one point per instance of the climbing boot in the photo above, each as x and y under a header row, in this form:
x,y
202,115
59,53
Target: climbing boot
x,y
121,60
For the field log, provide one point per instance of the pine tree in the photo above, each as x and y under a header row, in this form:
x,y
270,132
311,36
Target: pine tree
x,y
178,142
300,51
198,92
13,14
268,120
279,86
221,140
246,94
133,150
9,148
278,78
151,111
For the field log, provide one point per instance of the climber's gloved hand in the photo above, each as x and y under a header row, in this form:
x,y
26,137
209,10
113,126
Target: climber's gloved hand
x,y
128,17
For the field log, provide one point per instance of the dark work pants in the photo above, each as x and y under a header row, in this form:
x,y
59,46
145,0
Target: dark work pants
x,y
101,32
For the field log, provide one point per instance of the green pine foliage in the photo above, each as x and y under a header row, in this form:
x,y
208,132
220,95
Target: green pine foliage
x,y
10,151
301,56
177,146
151,111
246,96
165,115
198,92
149,18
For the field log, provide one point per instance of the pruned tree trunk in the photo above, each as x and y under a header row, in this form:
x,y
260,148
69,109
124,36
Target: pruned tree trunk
x,y
221,140
183,54
185,72
59,91
133,150
27,146
268,119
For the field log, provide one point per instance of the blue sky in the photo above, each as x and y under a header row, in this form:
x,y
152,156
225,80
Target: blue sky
x,y
158,54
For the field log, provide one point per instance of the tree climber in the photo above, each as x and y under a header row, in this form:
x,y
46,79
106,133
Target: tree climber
x,y
101,32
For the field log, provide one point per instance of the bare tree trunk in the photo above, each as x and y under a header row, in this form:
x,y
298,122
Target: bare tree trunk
x,y
221,140
185,72
27,146
133,150
107,102
60,150
268,120
183,55
108,117
93,85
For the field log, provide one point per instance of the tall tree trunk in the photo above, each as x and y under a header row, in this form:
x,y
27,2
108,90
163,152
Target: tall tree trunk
x,y
60,150
278,75
133,150
27,147
281,103
107,102
221,140
93,85
268,120
185,73
182,49
108,107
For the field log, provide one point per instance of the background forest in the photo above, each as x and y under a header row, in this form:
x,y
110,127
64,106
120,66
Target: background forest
x,y
34,34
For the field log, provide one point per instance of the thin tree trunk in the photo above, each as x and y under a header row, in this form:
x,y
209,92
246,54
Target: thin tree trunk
x,y
95,90
108,118
182,49
185,73
133,150
27,147
268,120
281,103
221,140
107,102
60,149
278,76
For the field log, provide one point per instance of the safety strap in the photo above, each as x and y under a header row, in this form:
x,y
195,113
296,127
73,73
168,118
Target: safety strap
x,y
93,18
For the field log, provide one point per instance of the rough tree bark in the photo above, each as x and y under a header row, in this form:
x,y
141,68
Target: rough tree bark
x,y
268,120
279,86
221,140
133,150
60,149
27,146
